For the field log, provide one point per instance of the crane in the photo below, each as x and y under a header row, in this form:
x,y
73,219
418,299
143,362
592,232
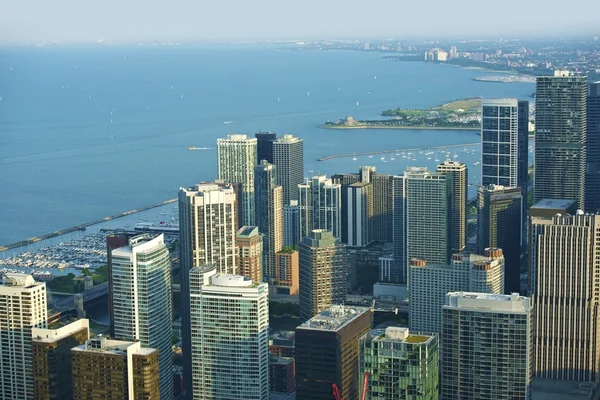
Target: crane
x,y
336,392
365,386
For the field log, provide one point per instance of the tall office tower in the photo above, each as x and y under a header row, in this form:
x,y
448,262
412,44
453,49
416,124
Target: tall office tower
x,y
399,267
359,212
320,204
401,364
566,295
264,146
113,242
291,224
504,140
269,214
288,157
383,207
207,228
249,243
429,284
487,345
327,352
142,300
345,180
236,157
458,174
499,219
560,137
592,178
287,275
428,217
322,273
52,364
230,323
23,305
115,369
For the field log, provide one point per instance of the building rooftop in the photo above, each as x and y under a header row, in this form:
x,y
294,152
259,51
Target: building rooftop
x,y
334,318
19,280
247,231
400,335
488,302
554,204
59,330
101,344
228,280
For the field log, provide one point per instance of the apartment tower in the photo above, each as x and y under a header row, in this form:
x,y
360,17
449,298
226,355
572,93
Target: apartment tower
x,y
359,214
320,204
288,157
592,178
458,174
249,243
264,146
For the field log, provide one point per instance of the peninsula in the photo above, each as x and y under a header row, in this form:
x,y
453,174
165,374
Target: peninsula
x,y
457,115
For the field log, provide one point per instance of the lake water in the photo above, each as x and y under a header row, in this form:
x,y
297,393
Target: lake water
x,y
87,132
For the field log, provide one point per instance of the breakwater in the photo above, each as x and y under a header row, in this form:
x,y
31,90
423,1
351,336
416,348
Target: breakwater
x,y
81,227
370,153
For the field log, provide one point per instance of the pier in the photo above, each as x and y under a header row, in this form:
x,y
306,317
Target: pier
x,y
80,227
371,153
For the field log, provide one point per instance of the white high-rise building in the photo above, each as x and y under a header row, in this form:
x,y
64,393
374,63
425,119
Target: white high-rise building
x,y
22,307
487,346
236,157
565,289
429,284
230,339
320,203
142,302
207,228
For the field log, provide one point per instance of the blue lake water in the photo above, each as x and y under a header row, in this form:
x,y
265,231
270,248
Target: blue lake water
x,y
63,162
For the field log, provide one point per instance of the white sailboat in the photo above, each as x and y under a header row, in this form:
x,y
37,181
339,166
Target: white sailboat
x,y
357,103
308,93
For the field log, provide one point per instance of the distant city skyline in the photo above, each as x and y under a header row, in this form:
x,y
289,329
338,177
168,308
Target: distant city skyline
x,y
266,19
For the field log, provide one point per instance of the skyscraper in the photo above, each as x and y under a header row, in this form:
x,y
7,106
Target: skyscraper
x,y
383,207
52,363
291,224
399,267
115,369
360,211
320,203
429,284
457,173
113,241
592,178
230,321
264,148
322,273
287,275
428,217
249,243
207,228
236,157
142,303
401,364
327,352
288,157
499,223
560,137
269,214
23,307
564,271
345,180
486,340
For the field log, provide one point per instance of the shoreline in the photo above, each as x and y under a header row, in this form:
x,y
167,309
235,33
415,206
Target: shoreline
x,y
420,127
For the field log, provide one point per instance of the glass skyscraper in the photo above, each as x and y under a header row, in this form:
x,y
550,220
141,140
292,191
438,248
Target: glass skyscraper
x,y
592,178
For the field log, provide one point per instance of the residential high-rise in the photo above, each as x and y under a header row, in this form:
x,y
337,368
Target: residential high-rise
x,y
264,146
399,267
359,211
113,241
142,300
320,204
428,216
401,364
499,222
207,228
230,322
288,157
560,137
592,177
322,273
383,208
565,289
236,157
23,307
345,180
504,142
52,364
249,243
291,224
282,375
429,284
115,369
287,276
457,172
327,352
487,346
269,214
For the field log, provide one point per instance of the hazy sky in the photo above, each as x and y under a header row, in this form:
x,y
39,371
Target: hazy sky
x,y
136,20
